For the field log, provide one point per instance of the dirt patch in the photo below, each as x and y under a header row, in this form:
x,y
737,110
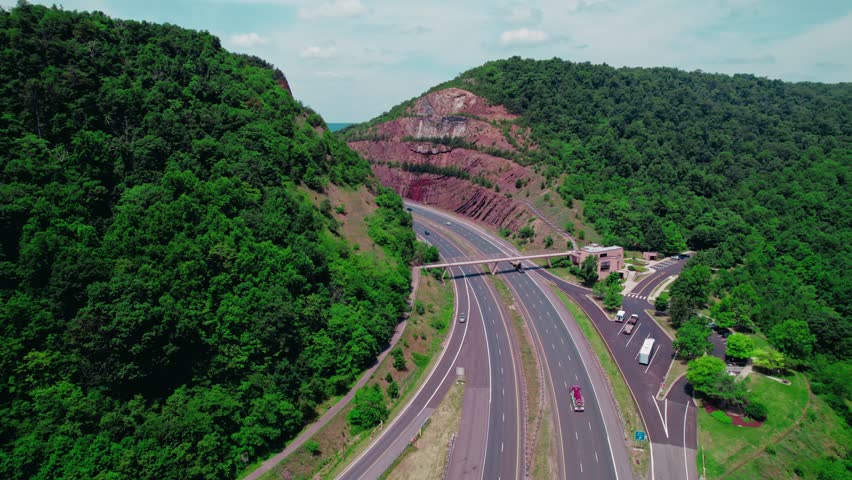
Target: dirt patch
x,y
427,457
738,420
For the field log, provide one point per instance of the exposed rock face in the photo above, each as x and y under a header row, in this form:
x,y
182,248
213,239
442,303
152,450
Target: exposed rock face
x,y
470,121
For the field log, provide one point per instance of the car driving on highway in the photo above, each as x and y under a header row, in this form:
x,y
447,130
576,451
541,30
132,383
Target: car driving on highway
x,y
462,318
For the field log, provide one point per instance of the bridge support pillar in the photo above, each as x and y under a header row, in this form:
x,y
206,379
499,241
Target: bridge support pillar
x,y
549,265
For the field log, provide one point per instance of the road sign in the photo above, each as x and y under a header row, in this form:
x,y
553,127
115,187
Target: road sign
x,y
639,436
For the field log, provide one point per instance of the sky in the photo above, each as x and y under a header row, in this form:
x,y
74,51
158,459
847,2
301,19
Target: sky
x,y
351,60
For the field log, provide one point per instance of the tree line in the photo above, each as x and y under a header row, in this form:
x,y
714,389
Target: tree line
x,y
751,172
171,304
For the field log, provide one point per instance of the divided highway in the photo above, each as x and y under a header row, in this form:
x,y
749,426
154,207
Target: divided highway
x,y
591,443
489,442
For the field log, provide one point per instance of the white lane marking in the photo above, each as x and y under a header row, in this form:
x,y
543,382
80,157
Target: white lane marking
x,y
581,468
590,426
576,436
501,370
576,377
685,465
560,363
635,334
662,420
504,417
563,341
596,456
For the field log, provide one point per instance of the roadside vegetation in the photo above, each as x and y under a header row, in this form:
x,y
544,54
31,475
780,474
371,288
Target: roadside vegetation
x,y
390,388
427,456
801,438
173,305
639,453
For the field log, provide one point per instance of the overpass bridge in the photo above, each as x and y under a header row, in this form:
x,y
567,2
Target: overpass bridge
x,y
491,261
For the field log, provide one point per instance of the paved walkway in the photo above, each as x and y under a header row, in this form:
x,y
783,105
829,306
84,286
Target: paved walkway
x,y
343,402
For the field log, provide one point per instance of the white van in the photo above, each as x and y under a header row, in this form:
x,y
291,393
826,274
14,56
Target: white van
x,y
619,317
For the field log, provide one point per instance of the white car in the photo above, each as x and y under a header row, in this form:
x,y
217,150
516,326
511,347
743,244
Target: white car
x,y
462,318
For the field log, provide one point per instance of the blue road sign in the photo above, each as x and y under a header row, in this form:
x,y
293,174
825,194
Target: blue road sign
x,y
639,436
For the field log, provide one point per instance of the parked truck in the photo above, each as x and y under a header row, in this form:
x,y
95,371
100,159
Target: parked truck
x,y
577,398
619,317
645,351
631,324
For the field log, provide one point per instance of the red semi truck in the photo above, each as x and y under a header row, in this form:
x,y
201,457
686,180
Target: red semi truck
x,y
577,399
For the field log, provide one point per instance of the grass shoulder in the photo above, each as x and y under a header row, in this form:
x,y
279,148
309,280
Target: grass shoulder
x,y
799,431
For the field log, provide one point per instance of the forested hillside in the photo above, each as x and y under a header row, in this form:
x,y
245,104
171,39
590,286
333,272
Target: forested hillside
x,y
171,307
753,173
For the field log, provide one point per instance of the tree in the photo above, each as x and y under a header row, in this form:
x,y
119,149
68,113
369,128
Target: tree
x,y
398,359
728,391
368,408
691,340
739,346
704,372
393,390
692,284
794,338
599,290
612,296
661,304
680,311
769,360
589,270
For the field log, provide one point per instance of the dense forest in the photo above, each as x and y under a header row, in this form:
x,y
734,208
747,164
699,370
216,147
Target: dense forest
x,y
753,173
171,305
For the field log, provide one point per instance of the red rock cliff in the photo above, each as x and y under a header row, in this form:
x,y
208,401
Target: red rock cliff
x,y
487,190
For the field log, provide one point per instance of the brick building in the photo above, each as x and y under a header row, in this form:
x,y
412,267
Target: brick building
x,y
610,259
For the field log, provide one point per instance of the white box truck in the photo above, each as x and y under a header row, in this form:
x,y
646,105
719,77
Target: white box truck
x,y
645,351
619,317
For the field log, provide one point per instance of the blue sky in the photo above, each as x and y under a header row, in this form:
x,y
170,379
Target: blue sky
x,y
353,59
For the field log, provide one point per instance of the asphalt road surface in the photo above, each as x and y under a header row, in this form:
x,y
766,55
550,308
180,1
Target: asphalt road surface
x,y
590,443
475,454
671,423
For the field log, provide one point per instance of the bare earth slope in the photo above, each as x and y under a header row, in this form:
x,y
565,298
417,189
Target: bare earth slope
x,y
453,150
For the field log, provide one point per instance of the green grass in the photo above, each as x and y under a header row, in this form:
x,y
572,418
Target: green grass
x,y
725,445
629,410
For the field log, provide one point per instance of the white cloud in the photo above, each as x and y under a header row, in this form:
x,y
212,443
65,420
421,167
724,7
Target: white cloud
x,y
247,39
523,36
336,8
318,52
523,14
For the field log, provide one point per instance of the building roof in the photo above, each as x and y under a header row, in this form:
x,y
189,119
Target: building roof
x,y
599,249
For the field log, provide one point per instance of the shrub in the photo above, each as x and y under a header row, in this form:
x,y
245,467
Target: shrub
x,y
393,390
388,377
419,308
756,411
722,416
398,359
770,450
369,409
312,447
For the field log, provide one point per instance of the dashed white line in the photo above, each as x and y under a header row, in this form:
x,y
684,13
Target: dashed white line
x,y
590,426
501,447
576,435
596,456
